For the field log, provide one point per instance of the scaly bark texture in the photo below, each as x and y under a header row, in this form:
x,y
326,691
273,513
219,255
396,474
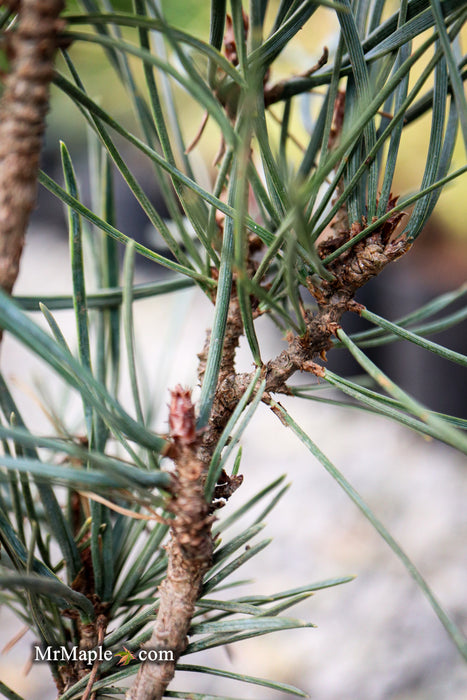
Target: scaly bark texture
x,y
189,552
190,548
354,268
23,107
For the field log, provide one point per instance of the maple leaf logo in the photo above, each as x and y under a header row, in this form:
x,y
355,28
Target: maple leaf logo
x,y
127,656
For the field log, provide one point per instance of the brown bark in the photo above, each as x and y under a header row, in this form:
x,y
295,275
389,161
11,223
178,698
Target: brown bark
x,y
190,548
189,553
351,270
23,106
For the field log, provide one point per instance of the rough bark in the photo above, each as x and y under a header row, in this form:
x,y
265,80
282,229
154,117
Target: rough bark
x,y
23,107
351,270
189,553
190,548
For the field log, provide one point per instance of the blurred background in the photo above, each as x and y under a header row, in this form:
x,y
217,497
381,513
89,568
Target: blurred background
x,y
376,637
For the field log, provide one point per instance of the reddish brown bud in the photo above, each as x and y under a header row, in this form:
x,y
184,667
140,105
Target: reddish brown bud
x,y
230,46
182,422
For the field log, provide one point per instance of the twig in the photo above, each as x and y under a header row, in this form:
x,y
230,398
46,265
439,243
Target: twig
x,y
353,269
23,106
275,93
198,134
101,625
189,553
190,548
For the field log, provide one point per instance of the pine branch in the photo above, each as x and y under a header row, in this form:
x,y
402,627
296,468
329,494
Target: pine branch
x,y
23,107
353,269
269,236
190,548
189,552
